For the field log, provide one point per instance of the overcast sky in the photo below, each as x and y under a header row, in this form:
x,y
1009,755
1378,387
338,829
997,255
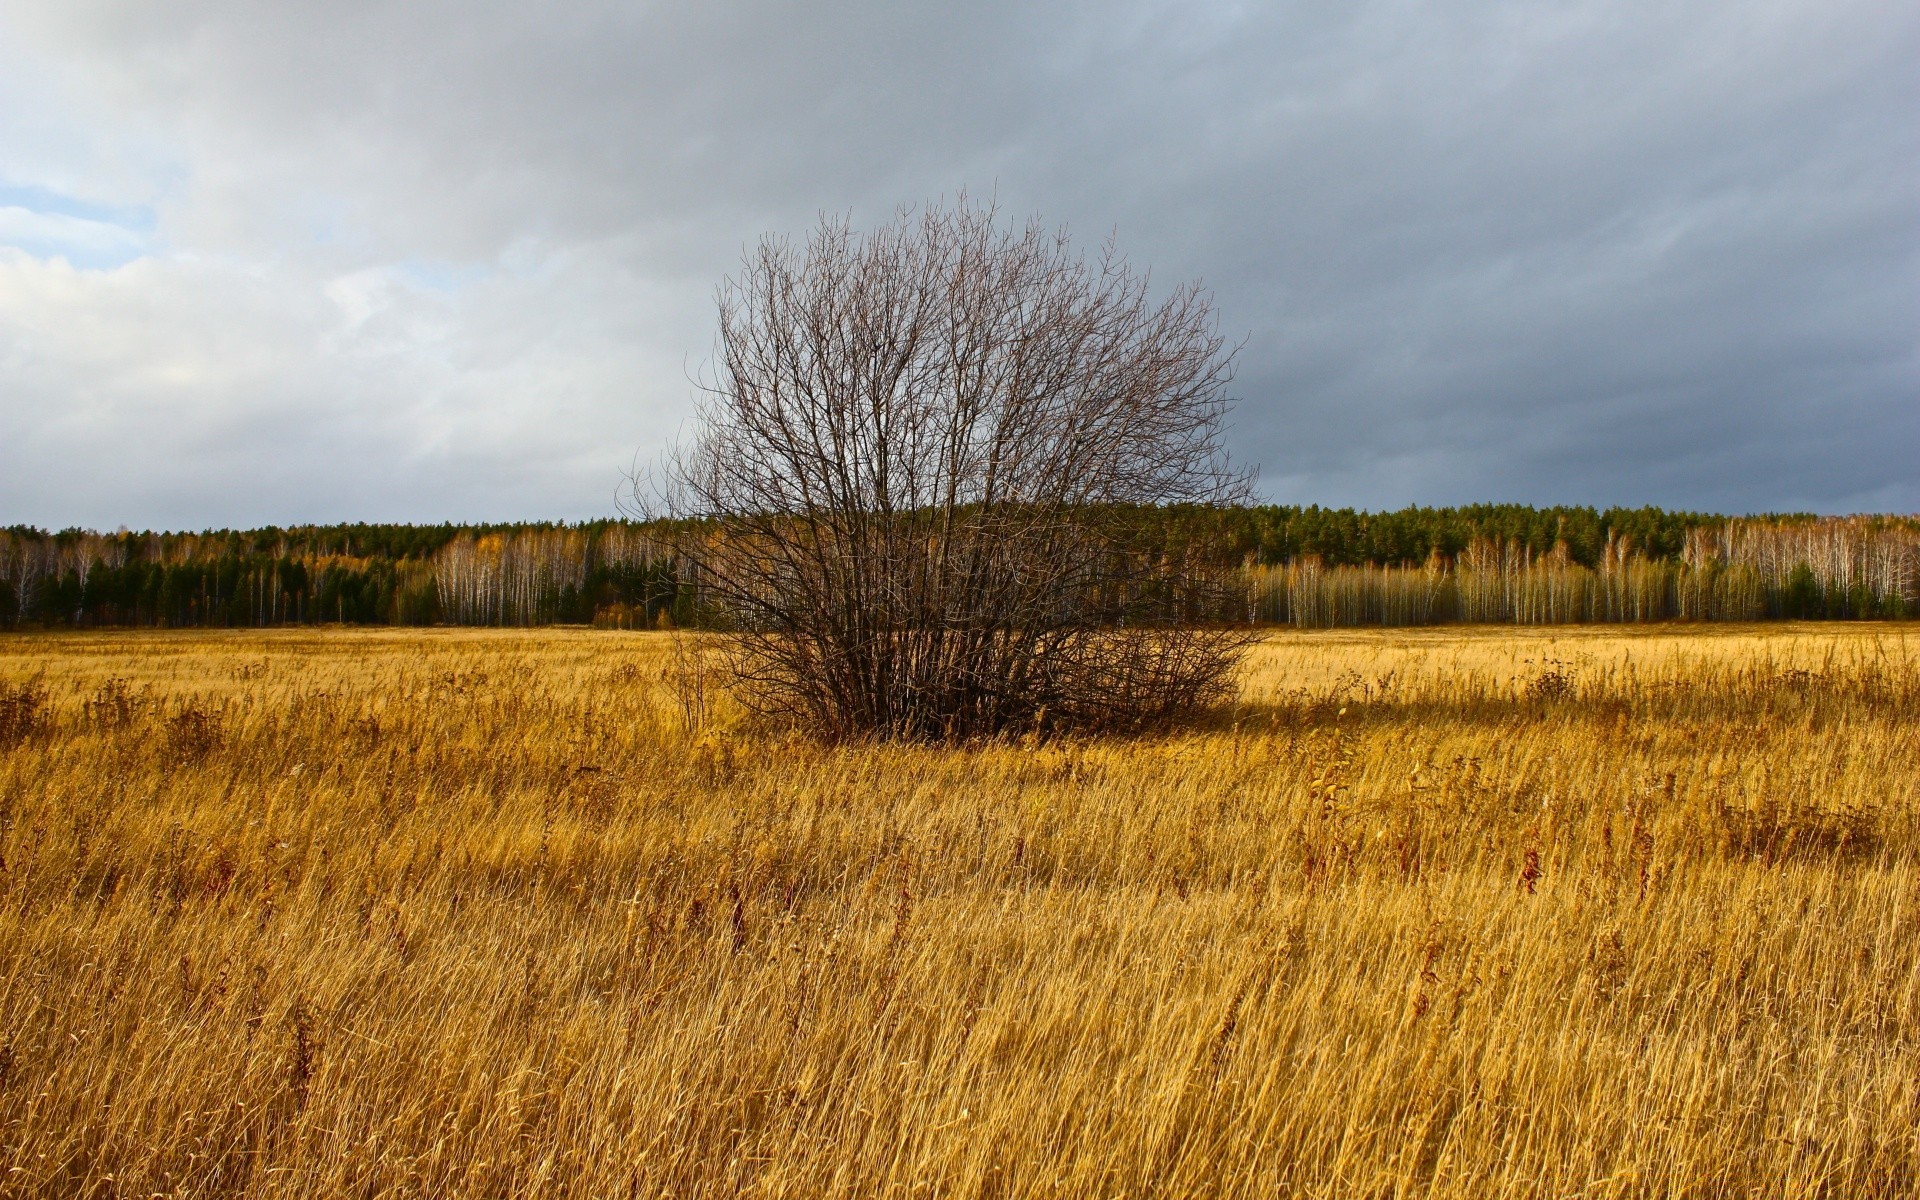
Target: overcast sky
x,y
278,261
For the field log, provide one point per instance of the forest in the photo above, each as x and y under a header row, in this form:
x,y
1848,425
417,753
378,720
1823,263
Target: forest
x,y
1303,565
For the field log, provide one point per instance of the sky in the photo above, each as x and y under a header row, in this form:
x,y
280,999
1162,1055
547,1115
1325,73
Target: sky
x,y
304,262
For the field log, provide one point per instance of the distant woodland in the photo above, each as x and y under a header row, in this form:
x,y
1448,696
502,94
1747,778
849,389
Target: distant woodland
x,y
1306,566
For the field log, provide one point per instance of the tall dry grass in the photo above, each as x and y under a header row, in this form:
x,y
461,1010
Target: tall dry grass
x,y
1442,913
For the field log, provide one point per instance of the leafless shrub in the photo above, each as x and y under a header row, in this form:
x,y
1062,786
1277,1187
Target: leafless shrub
x,y
689,677
913,489
1553,683
23,710
113,705
193,732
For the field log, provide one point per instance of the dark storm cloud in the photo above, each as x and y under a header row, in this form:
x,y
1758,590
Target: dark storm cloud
x,y
413,261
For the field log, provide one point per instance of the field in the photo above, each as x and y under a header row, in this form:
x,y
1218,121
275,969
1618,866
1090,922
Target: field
x,y
1458,913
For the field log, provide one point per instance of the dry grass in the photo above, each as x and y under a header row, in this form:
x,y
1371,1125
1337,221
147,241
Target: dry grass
x,y
1447,913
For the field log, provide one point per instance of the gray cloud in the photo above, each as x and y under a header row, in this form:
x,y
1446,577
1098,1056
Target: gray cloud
x,y
456,259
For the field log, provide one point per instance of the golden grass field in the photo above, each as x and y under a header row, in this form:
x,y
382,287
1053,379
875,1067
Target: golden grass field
x,y
1457,913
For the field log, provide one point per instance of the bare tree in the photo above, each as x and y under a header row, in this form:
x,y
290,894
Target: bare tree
x,y
915,485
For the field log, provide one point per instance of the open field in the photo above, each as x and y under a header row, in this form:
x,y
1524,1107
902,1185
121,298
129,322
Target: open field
x,y
1540,912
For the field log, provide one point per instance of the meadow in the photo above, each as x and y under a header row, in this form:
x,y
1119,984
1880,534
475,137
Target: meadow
x,y
1454,912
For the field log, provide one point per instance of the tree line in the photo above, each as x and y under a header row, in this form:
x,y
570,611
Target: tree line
x,y
544,573
1844,568
1303,565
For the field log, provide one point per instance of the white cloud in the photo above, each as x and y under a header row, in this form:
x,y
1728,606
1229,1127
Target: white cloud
x,y
221,393
48,234
456,259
